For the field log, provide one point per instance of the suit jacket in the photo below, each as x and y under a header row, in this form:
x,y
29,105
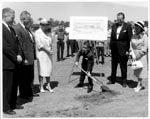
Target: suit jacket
x,y
26,43
10,48
122,44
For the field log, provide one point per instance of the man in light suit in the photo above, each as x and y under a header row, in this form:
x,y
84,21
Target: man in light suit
x,y
119,44
11,57
26,42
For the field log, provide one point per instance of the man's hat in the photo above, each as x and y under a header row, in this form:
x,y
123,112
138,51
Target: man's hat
x,y
140,24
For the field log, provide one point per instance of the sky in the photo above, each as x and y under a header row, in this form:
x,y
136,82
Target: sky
x,y
134,11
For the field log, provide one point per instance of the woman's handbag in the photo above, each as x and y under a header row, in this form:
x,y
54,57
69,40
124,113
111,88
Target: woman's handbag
x,y
136,65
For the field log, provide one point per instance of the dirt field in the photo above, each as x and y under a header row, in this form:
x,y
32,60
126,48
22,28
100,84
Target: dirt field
x,y
68,101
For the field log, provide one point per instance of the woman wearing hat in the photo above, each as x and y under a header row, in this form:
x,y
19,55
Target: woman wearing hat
x,y
139,51
44,53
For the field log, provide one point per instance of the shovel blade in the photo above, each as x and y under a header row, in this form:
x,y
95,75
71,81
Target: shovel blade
x,y
105,88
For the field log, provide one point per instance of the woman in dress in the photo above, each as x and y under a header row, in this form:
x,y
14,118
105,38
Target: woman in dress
x,y
139,51
44,53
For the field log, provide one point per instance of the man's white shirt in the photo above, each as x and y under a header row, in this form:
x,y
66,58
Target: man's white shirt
x,y
118,30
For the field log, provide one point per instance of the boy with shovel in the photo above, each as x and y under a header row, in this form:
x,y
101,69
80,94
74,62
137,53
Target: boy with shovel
x,y
87,51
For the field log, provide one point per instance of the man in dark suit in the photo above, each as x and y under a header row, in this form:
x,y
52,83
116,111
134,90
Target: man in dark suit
x,y
120,43
11,58
27,46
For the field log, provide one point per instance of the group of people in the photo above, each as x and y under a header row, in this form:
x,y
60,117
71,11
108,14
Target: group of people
x,y
71,45
18,59
21,47
124,42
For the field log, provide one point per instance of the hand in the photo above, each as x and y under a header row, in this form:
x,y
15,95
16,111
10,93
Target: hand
x,y
26,61
76,63
89,74
19,58
127,53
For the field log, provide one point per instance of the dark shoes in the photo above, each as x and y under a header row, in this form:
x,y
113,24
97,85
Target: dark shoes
x,y
102,62
79,85
110,82
35,95
90,88
58,60
10,112
18,107
62,59
26,98
124,84
72,55
97,62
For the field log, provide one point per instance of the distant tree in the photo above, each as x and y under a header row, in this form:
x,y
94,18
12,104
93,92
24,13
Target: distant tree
x,y
40,19
131,23
62,22
56,23
66,24
146,23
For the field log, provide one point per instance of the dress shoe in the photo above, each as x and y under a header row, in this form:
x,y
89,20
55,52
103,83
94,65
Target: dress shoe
x,y
72,55
33,95
137,89
62,59
124,84
111,82
49,89
10,112
42,91
36,95
17,107
79,85
102,62
97,62
26,98
90,88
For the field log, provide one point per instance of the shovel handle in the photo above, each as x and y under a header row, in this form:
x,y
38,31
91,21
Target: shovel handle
x,y
96,80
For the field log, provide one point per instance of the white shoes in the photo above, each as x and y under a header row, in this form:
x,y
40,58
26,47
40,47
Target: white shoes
x,y
137,89
42,91
49,89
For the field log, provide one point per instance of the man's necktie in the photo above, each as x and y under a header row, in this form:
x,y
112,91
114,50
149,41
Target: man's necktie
x,y
10,28
30,34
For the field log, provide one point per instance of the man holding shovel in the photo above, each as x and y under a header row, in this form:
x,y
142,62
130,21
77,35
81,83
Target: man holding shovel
x,y
87,51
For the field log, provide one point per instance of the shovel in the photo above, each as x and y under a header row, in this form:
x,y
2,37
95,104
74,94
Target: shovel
x,y
102,86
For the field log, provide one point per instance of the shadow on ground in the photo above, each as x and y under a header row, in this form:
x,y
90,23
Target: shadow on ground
x,y
97,98
93,74
130,83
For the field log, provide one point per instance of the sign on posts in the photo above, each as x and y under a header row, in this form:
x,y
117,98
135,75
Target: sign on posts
x,y
88,28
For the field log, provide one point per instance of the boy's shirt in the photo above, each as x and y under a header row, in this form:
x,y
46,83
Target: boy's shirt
x,y
87,54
